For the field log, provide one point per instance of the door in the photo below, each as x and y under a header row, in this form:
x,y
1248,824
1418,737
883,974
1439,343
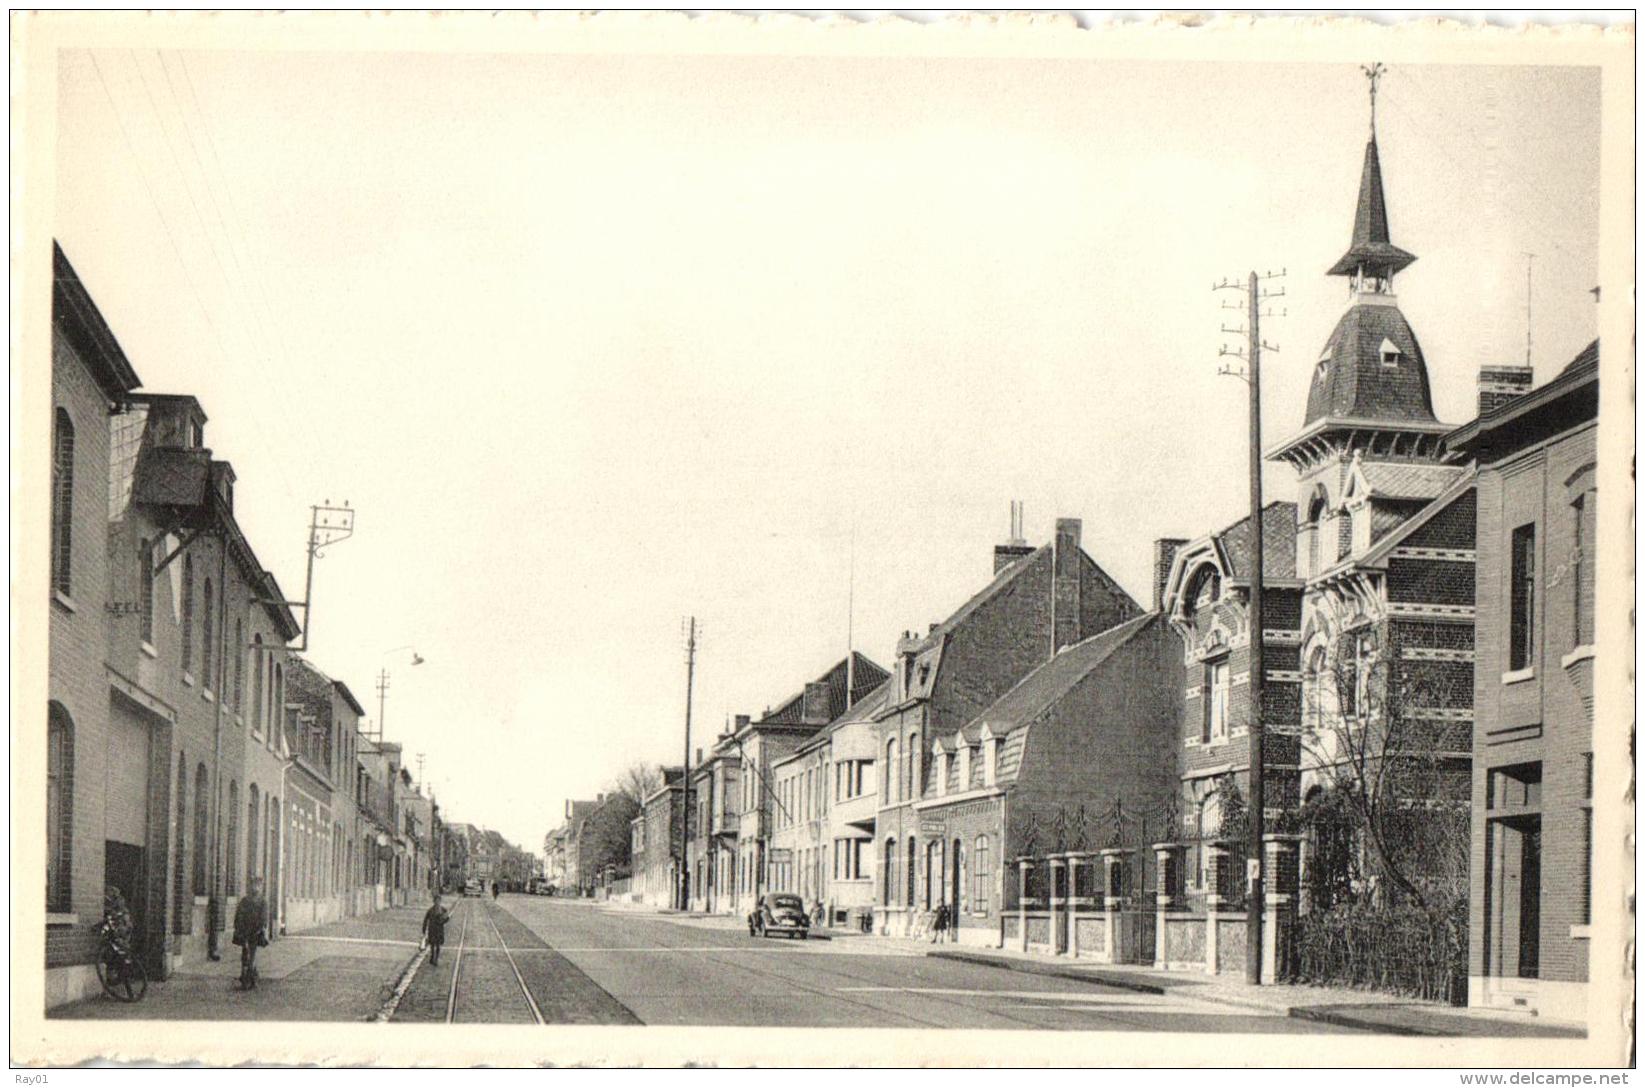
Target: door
x,y
1514,893
123,868
956,881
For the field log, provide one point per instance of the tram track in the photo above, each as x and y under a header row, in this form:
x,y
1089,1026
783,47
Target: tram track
x,y
476,996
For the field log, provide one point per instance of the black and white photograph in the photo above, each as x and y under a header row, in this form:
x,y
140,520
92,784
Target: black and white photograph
x,y
663,539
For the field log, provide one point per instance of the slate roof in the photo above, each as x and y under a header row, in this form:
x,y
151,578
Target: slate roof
x,y
866,676
1279,543
1370,247
1408,481
1041,688
1351,381
1571,398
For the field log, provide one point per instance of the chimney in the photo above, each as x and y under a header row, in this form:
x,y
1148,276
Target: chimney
x,y
699,757
814,703
1500,384
1065,585
1015,547
739,723
1165,552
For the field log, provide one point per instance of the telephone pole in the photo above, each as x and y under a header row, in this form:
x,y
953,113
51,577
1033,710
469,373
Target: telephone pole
x,y
685,764
1256,296
382,699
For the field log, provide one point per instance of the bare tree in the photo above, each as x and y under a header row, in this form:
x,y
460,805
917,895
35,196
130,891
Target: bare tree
x,y
638,781
1387,731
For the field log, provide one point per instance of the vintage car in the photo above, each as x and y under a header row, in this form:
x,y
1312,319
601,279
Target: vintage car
x,y
473,887
779,912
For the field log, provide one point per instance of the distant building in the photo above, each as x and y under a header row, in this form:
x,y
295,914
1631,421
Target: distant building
x,y
656,843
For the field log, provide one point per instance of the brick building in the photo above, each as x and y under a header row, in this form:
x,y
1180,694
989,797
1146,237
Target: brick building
x,y
86,821
1040,601
716,795
655,842
322,732
1085,737
1531,857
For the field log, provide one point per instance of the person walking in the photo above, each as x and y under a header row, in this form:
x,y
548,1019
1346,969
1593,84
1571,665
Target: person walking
x,y
939,923
496,890
251,931
434,929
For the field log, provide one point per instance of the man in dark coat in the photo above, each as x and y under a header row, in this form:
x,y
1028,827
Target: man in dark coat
x,y
250,931
434,929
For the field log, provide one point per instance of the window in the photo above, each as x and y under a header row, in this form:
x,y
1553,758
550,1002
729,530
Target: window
x,y
1354,700
59,806
1316,516
1207,588
202,815
145,590
1314,683
981,875
239,662
188,614
258,694
1585,902
1216,711
62,503
910,788
888,780
1582,571
889,868
181,913
1390,353
1522,598
232,849
208,682
252,825
913,870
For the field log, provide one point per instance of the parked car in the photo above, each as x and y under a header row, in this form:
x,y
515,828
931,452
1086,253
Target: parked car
x,y
779,912
473,887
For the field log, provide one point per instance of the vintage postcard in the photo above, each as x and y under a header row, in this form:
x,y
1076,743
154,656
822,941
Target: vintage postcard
x,y
699,539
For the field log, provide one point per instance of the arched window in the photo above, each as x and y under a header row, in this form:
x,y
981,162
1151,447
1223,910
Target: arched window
x,y
910,789
1316,518
202,817
278,701
892,770
239,662
911,874
207,630
889,888
145,590
59,807
62,503
1315,686
258,695
981,875
232,865
1205,588
181,914
253,827
188,613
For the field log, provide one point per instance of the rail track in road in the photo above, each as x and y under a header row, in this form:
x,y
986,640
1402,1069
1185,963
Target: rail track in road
x,y
486,992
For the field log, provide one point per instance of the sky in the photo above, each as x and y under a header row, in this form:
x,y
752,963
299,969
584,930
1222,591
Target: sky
x,y
595,343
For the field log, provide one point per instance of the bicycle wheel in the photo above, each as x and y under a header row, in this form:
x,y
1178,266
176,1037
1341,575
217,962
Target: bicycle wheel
x,y
123,980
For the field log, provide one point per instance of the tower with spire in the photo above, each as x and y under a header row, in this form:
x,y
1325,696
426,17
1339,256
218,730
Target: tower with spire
x,y
1369,411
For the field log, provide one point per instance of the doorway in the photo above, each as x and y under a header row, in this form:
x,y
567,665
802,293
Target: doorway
x,y
124,868
1514,890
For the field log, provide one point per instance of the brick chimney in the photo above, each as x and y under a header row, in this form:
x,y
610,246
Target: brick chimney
x,y
814,703
1065,585
1014,548
739,722
1500,384
1165,553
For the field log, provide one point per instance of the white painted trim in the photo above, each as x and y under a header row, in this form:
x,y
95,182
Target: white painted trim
x,y
1581,653
956,798
63,600
1449,555
1580,933
148,648
1519,676
62,918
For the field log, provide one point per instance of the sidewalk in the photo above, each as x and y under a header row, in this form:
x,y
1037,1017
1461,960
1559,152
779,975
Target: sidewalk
x,y
339,972
1368,1010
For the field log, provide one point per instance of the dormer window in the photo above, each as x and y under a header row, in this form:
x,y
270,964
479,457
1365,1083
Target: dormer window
x,y
1390,353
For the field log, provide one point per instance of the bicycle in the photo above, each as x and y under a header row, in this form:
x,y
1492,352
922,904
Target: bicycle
x,y
121,974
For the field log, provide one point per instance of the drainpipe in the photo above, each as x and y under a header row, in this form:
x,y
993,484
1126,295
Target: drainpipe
x,y
214,905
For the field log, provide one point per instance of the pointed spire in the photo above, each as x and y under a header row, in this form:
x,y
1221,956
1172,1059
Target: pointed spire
x,y
1370,252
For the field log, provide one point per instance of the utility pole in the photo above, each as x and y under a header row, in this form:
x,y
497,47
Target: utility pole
x,y
382,699
1529,257
685,764
1256,295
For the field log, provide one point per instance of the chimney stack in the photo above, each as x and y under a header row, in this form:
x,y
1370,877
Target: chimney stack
x,y
1065,585
1500,384
1015,546
814,703
1165,553
699,757
739,723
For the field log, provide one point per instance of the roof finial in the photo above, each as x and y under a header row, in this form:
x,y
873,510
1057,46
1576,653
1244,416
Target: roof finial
x,y
1373,72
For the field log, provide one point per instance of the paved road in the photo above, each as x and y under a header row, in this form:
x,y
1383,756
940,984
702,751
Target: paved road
x,y
585,963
